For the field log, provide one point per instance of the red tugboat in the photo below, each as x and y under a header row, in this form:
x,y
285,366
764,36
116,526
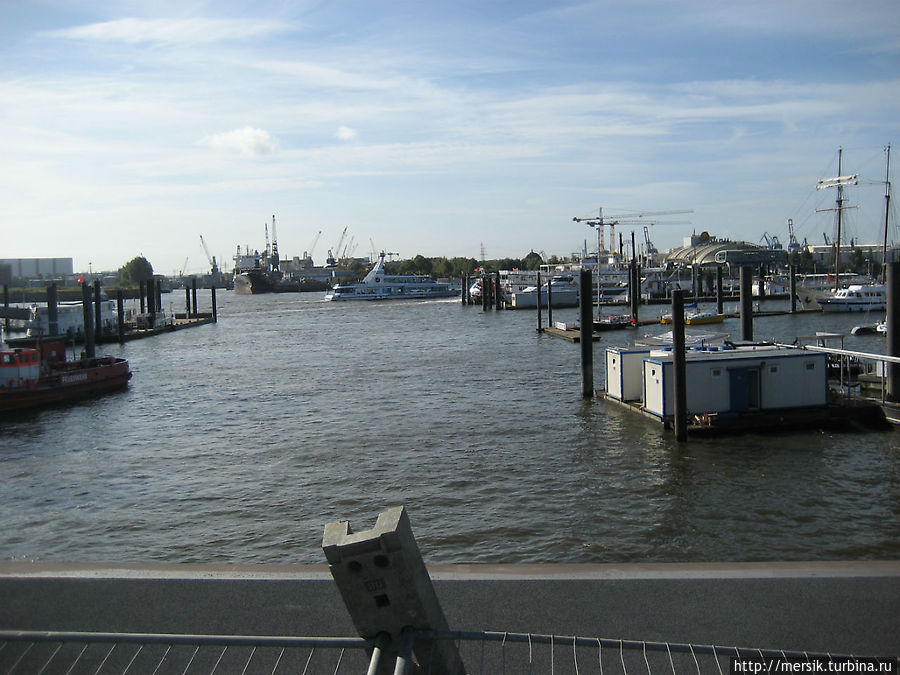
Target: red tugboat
x,y
41,375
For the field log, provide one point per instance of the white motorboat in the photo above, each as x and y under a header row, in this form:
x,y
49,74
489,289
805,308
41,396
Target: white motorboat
x,y
856,298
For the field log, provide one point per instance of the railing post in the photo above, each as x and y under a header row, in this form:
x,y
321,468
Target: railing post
x,y
892,325
386,588
746,304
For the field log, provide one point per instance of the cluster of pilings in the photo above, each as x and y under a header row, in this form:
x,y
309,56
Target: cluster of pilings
x,y
491,293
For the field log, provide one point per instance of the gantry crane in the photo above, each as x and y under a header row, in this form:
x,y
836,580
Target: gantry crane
x,y
337,248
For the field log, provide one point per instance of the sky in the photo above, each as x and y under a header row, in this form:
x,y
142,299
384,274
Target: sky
x,y
436,128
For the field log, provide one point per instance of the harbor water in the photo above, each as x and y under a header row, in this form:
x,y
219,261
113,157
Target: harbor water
x,y
237,442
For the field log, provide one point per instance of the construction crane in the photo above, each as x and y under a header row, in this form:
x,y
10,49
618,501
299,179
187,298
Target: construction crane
x,y
638,218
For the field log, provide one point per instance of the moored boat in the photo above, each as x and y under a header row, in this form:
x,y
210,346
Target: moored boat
x,y
379,284
41,375
856,298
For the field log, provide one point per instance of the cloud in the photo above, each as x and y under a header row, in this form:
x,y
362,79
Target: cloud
x,y
345,133
169,31
248,141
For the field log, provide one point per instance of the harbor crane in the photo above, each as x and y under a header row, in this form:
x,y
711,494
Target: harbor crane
x,y
330,261
312,246
214,267
651,249
793,245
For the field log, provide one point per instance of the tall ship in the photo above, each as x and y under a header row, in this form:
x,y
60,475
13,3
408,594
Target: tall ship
x,y
256,272
379,284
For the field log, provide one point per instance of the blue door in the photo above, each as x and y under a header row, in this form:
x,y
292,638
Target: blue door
x,y
744,388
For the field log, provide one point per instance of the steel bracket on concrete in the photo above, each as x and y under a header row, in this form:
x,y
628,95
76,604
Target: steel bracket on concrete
x,y
387,590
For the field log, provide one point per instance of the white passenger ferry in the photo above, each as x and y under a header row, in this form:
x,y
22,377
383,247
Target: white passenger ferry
x,y
379,284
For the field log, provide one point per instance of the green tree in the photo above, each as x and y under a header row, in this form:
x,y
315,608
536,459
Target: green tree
x,y
135,271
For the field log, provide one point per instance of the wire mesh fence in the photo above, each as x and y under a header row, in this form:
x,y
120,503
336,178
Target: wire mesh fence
x,y
28,653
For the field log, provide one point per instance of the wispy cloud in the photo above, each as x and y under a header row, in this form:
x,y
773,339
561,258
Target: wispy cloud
x,y
170,31
248,141
345,133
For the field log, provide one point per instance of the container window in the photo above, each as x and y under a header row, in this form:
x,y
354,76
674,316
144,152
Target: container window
x,y
811,365
773,369
716,372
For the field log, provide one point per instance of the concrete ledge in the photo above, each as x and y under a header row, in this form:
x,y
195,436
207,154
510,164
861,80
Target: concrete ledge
x,y
849,607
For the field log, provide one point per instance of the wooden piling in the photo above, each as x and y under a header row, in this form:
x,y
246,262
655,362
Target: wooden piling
x,y
142,289
746,303
151,301
550,302
194,294
892,323
679,368
120,314
98,309
52,309
187,301
793,289
636,285
484,292
540,327
587,337
215,312
6,304
88,320
720,293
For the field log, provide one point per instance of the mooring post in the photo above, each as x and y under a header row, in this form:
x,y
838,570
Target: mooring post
x,y
212,298
540,326
679,358
159,295
87,316
98,318
464,289
793,289
498,293
141,291
194,294
746,303
386,588
120,314
484,293
52,309
720,297
6,305
550,303
587,335
892,324
151,302
636,298
187,301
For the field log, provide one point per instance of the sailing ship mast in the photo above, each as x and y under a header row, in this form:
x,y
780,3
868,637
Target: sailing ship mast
x,y
839,182
887,211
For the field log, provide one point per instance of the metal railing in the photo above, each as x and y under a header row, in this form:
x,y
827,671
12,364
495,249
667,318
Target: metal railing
x,y
483,652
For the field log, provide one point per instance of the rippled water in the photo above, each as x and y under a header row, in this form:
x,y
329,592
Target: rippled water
x,y
237,442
